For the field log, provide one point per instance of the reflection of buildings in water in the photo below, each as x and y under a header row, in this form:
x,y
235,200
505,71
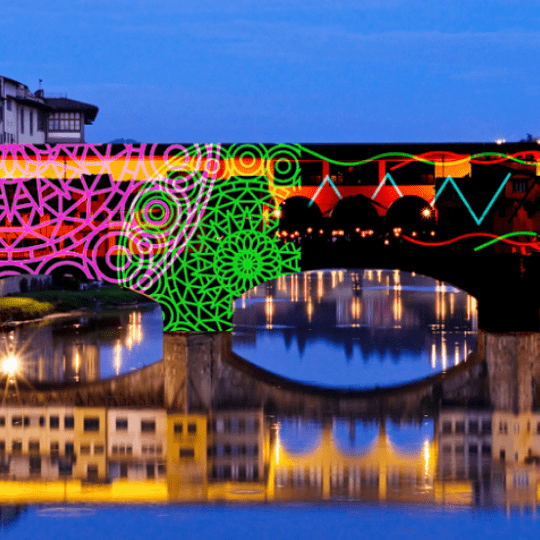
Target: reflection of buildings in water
x,y
149,454
495,453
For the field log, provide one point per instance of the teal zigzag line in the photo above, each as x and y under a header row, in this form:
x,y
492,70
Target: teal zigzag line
x,y
389,177
450,180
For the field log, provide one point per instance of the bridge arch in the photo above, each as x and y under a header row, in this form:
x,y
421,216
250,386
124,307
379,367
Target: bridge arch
x,y
354,212
411,213
298,214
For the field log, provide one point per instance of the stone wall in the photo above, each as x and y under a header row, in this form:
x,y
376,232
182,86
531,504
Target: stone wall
x,y
12,284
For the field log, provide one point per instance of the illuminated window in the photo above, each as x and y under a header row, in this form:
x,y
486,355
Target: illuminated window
x,y
65,121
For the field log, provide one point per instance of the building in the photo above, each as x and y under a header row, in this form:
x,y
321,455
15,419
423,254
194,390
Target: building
x,y
34,118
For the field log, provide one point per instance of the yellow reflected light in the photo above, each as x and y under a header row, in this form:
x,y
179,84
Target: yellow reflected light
x,y
426,212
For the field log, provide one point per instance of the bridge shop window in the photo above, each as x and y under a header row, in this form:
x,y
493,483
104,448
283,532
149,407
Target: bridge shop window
x,y
69,422
91,424
148,426
519,185
121,424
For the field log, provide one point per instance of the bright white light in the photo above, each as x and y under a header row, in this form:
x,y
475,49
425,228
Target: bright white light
x,y
10,365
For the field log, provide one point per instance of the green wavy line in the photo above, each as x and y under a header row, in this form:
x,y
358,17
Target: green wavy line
x,y
518,233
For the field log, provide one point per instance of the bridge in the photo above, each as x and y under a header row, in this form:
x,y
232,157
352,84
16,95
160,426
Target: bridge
x,y
195,226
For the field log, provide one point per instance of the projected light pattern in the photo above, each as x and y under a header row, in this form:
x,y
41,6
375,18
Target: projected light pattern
x,y
191,226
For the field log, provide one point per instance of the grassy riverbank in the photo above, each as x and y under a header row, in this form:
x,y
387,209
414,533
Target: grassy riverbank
x,y
37,304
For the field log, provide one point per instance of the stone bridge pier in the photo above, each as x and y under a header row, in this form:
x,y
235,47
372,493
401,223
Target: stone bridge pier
x,y
190,362
513,364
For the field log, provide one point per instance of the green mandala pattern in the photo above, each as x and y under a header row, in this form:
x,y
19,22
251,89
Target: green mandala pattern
x,y
198,272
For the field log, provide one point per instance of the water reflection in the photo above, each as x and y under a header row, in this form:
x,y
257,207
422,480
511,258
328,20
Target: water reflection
x,y
84,348
347,327
233,437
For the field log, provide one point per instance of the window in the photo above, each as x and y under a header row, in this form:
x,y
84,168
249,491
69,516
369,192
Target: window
x,y
473,449
55,449
148,426
17,421
16,447
123,470
69,448
8,104
91,424
121,424
69,422
2,447
33,446
178,428
85,449
31,122
503,427
187,453
41,121
35,465
150,470
41,421
54,422
98,449
486,450
486,426
460,427
92,472
65,121
192,429
22,120
473,427
447,427
519,186
3,422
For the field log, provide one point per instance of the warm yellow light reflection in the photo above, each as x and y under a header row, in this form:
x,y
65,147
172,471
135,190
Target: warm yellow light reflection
x,y
117,356
269,308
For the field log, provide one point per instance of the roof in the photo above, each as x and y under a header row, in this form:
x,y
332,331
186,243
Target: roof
x,y
65,104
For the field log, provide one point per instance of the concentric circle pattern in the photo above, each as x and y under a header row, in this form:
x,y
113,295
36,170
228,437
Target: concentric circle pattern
x,y
181,224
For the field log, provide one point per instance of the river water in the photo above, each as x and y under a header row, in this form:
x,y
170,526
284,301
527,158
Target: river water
x,y
266,463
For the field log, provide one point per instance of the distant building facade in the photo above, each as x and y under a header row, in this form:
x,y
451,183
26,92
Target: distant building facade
x,y
33,118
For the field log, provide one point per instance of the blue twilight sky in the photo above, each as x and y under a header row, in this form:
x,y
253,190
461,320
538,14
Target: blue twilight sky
x,y
285,70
